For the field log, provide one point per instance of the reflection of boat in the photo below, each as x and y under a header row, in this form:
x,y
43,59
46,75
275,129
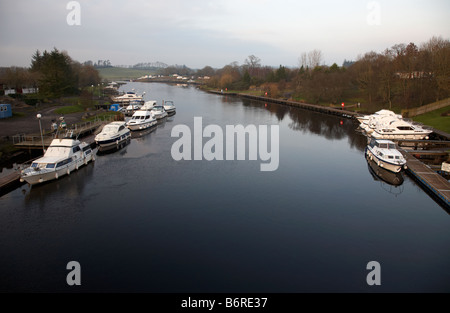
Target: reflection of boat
x,y
113,134
141,133
158,112
379,173
62,157
384,154
141,119
113,148
169,107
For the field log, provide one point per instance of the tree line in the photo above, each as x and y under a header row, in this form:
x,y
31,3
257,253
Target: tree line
x,y
53,73
404,75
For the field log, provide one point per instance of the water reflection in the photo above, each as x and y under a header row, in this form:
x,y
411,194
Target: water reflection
x,y
330,127
70,186
114,148
381,174
139,134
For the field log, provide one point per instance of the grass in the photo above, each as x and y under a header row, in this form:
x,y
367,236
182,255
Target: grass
x,y
69,109
119,73
103,115
435,119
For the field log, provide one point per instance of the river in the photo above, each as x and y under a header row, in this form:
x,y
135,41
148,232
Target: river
x,y
136,220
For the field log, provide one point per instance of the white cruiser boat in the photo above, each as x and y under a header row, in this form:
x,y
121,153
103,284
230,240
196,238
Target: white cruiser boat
x,y
158,112
141,119
395,129
113,134
370,122
169,107
128,97
62,157
148,105
133,106
385,155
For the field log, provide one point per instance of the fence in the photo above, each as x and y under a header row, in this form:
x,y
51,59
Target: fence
x,y
426,108
75,130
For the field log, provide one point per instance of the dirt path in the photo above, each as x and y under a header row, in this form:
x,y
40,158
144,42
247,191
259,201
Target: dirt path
x,y
29,124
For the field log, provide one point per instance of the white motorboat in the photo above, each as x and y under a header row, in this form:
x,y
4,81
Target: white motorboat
x,y
158,112
133,106
385,154
113,134
369,122
62,157
169,107
148,105
395,129
141,119
128,97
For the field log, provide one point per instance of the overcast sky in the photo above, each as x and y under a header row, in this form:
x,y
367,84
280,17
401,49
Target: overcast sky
x,y
216,32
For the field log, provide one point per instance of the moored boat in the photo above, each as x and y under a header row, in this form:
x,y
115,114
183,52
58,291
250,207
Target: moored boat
x,y
61,158
113,134
158,112
169,106
141,119
385,155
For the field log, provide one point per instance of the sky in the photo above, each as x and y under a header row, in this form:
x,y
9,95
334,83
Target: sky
x,y
199,33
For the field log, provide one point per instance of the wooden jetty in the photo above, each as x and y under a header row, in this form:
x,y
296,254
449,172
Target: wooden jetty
x,y
306,106
432,181
38,142
9,182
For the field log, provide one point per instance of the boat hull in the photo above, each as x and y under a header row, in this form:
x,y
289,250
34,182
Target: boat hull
x,y
411,136
395,168
48,175
142,126
113,141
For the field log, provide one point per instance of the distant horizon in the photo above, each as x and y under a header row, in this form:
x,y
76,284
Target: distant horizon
x,y
215,33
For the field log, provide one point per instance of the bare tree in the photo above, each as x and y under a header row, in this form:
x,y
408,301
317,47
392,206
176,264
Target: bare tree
x,y
302,60
314,58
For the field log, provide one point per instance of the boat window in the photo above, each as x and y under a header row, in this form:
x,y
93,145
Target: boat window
x,y
391,146
405,128
397,157
121,127
76,149
62,163
50,165
34,165
390,156
383,145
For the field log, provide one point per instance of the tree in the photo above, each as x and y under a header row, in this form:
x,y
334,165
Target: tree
x,y
57,77
314,58
57,74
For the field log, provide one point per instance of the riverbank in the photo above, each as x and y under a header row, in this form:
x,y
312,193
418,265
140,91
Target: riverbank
x,y
25,122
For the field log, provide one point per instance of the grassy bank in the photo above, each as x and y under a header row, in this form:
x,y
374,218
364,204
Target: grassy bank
x,y
119,73
435,119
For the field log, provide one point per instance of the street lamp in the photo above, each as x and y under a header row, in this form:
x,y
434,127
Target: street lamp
x,y
40,128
